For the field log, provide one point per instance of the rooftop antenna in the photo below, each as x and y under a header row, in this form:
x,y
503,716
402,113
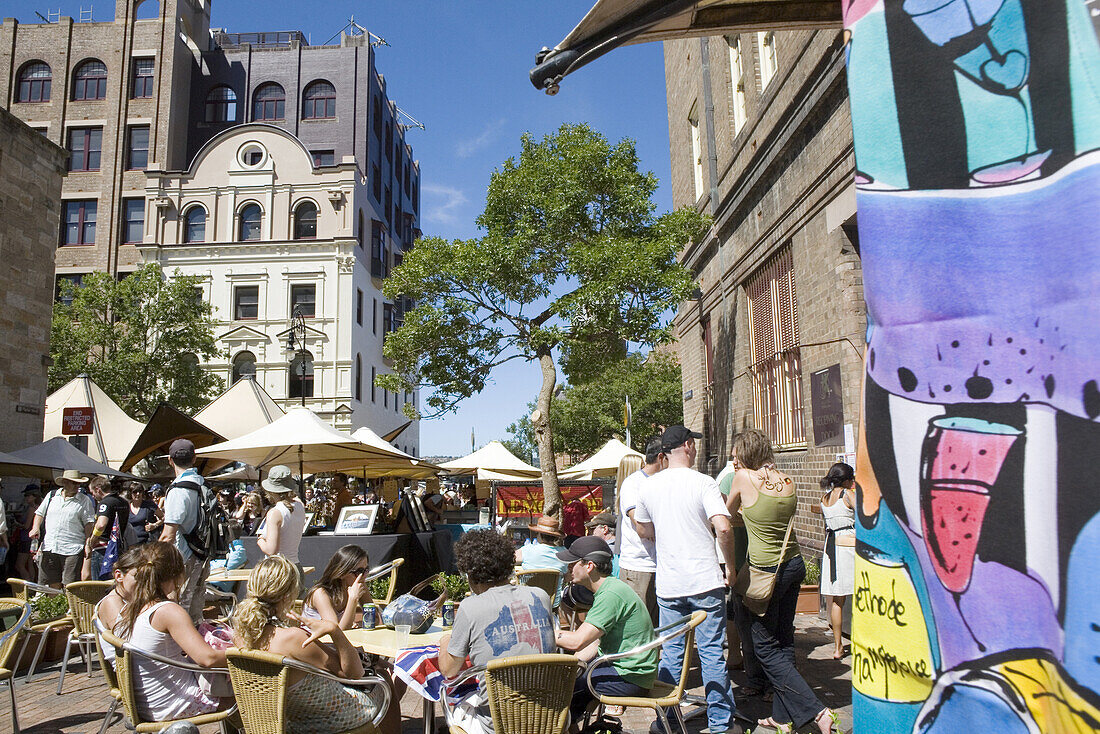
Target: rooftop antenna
x,y
412,121
354,29
86,14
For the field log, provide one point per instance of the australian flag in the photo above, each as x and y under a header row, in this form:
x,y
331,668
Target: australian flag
x,y
419,667
110,553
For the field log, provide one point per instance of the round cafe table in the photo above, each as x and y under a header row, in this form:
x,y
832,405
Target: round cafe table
x,y
239,574
383,641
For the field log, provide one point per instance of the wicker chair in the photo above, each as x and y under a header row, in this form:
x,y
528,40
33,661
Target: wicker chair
x,y
125,672
547,579
663,695
109,675
260,686
528,694
391,569
14,614
82,596
24,590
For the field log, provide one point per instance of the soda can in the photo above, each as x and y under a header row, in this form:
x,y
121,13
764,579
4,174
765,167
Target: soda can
x,y
370,616
448,614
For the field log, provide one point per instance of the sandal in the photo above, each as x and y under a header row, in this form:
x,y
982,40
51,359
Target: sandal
x,y
773,724
829,717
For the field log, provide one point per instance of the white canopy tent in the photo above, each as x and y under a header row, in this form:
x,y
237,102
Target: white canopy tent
x,y
408,466
113,432
241,409
603,463
495,459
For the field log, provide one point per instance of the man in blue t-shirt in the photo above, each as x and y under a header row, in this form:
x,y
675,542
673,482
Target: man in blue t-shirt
x,y
181,513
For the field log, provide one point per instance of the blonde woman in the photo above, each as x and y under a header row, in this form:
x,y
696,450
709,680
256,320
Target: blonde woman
x,y
637,556
286,520
251,512
314,705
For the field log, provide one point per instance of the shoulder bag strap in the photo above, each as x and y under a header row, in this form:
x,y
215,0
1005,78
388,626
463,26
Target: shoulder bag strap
x,y
782,552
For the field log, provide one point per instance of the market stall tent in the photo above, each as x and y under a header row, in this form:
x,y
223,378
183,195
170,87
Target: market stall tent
x,y
113,432
240,410
494,458
603,463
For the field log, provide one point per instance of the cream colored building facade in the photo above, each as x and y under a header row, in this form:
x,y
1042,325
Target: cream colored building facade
x,y
265,230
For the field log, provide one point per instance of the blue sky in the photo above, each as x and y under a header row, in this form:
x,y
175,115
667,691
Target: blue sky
x,y
460,67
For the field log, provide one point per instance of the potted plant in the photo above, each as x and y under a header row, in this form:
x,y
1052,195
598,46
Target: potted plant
x,y
47,608
379,587
454,585
809,599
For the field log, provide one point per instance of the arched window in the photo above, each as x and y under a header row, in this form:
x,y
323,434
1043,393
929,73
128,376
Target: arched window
x,y
194,225
34,83
252,218
300,376
269,102
305,221
319,101
221,105
148,10
244,364
90,80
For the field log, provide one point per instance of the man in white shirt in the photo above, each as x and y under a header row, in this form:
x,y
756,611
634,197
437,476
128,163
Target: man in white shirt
x,y
181,514
64,523
637,556
677,509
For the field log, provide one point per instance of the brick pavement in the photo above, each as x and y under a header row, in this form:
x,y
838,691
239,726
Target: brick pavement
x,y
81,707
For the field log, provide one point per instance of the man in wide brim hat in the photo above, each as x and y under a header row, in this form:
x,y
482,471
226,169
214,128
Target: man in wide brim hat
x,y
64,524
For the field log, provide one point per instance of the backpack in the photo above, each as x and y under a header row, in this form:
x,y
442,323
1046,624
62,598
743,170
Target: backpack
x,y
211,537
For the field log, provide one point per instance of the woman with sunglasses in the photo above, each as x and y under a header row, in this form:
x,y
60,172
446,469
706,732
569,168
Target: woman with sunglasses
x,y
342,588
145,516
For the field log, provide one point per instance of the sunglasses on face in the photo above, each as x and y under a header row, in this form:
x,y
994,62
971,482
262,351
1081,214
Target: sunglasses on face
x,y
360,571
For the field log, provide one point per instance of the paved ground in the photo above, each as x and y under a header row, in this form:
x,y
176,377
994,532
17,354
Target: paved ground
x,y
81,707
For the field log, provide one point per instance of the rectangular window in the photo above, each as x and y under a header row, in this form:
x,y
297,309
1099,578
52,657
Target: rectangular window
x,y
769,61
79,226
304,299
373,398
60,293
246,302
377,117
85,148
358,378
358,306
378,250
385,398
133,220
142,86
696,149
324,157
377,190
389,139
137,148
387,318
776,368
198,294
374,315
737,84
389,205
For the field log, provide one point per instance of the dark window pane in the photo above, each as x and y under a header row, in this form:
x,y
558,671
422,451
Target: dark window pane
x,y
221,105
269,102
305,221
34,83
195,225
319,101
137,154
85,148
90,81
324,157
143,79
79,224
251,219
133,229
304,299
246,302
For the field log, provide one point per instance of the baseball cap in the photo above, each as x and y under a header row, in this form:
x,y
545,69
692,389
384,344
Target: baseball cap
x,y
603,518
587,548
182,448
652,450
676,436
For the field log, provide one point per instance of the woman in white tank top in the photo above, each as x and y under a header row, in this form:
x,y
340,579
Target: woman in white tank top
x,y
286,521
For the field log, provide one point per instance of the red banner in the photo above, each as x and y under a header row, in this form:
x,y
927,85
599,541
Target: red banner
x,y
526,501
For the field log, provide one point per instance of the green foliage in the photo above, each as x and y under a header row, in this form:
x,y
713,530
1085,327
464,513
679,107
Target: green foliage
x,y
454,584
585,416
140,339
379,587
572,259
813,572
522,443
46,608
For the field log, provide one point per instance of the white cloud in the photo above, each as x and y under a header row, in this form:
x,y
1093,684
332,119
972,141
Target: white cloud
x,y
467,148
446,201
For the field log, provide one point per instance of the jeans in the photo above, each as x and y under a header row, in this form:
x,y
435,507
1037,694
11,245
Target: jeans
x,y
607,682
710,636
773,645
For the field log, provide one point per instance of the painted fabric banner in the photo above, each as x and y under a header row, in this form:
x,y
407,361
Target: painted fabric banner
x,y
977,138
525,500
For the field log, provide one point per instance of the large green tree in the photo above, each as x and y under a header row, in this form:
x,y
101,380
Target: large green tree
x,y
139,338
573,263
586,415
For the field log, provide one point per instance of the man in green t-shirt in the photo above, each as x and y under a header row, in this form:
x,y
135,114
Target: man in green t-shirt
x,y
617,622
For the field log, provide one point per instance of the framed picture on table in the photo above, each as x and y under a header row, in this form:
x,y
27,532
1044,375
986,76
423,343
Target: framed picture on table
x,y
356,520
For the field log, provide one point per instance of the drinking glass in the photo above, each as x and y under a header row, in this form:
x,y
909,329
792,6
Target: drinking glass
x,y
402,631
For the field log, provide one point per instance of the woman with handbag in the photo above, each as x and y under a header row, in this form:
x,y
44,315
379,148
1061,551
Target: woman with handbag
x,y
838,563
767,585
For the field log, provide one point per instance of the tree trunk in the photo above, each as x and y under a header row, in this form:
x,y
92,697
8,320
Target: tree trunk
x,y
544,438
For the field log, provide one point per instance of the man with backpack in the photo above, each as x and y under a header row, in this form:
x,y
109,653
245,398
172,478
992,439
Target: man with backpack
x,y
183,509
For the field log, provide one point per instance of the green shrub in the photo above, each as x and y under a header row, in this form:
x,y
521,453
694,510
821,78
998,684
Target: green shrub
x,y
454,584
47,608
813,572
379,587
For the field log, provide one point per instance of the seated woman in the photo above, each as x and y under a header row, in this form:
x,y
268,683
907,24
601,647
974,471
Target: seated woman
x,y
147,619
543,553
314,705
342,588
109,608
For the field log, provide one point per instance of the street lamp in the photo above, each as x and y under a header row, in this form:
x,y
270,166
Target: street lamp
x,y
296,345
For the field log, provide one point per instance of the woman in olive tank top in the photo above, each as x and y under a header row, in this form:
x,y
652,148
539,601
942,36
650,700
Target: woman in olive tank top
x,y
767,500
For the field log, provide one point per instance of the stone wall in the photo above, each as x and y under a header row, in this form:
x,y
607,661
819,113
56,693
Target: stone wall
x,y
31,170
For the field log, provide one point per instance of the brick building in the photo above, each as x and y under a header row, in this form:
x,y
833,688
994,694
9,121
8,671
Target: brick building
x,y
142,94
31,170
761,139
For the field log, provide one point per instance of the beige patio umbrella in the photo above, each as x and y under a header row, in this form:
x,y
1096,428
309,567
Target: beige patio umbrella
x,y
300,438
603,463
241,409
494,461
408,466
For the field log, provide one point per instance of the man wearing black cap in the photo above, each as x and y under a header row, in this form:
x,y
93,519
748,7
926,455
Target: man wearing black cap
x,y
677,509
617,622
181,513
